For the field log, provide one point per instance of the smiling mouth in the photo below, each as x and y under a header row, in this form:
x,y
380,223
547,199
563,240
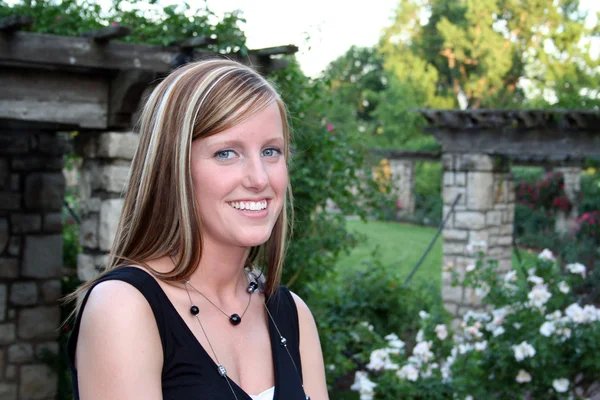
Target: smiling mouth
x,y
249,205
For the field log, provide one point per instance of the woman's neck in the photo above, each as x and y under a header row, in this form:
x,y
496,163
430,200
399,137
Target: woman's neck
x,y
220,273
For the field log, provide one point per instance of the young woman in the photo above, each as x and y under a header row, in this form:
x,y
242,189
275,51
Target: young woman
x,y
183,311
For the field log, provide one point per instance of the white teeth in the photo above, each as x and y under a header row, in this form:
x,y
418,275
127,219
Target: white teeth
x,y
249,205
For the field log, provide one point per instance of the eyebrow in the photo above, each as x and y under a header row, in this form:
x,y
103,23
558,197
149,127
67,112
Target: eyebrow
x,y
236,142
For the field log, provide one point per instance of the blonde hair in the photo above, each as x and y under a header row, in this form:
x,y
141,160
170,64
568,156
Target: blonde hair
x,y
160,215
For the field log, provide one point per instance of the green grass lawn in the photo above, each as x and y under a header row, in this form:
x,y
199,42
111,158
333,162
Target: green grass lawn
x,y
400,247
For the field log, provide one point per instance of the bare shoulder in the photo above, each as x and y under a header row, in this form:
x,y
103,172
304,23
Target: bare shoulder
x,y
313,371
119,347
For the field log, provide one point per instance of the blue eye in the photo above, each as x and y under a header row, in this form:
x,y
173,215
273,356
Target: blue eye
x,y
271,152
224,154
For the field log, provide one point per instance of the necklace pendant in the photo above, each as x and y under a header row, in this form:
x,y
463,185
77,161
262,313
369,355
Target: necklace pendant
x,y
222,371
235,319
252,286
194,310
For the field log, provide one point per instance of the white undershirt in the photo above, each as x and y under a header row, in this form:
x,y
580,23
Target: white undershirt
x,y
266,395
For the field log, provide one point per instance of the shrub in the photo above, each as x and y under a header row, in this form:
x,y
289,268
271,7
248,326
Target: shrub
x,y
539,339
343,304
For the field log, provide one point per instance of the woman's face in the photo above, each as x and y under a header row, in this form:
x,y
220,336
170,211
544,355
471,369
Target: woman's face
x,y
240,179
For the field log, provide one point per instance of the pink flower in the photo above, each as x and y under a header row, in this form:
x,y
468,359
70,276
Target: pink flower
x,y
329,127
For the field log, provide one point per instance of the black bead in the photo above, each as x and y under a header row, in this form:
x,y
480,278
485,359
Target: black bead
x,y
252,286
194,310
235,319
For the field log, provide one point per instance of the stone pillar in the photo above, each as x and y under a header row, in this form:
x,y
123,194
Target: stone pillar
x,y
565,222
485,212
106,160
32,190
403,185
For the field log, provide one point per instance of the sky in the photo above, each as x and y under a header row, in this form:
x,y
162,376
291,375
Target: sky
x,y
322,29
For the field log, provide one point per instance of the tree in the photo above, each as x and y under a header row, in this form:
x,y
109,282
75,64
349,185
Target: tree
x,y
494,53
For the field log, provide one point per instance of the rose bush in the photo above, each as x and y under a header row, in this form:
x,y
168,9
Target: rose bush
x,y
534,337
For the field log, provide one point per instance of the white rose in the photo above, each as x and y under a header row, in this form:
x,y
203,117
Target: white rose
x,y
423,314
563,287
560,385
546,254
523,350
523,377
575,313
363,385
547,328
408,372
576,268
539,295
441,331
470,267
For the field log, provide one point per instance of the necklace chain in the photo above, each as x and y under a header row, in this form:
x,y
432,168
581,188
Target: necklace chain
x,y
221,368
219,308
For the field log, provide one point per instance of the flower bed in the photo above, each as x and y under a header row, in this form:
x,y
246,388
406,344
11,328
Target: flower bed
x,y
535,338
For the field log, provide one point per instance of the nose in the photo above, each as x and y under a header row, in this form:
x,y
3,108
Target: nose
x,y
256,176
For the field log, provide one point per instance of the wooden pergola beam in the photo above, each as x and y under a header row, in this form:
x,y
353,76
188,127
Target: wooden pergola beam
x,y
103,35
191,43
274,51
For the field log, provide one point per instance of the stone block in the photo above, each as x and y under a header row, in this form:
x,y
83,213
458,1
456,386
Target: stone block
x,y
504,240
10,201
92,205
469,220
15,183
451,308
45,191
53,144
37,163
39,323
448,162
493,218
3,302
9,267
448,178
114,177
20,353
3,234
25,223
51,291
4,173
452,248
460,178
38,382
42,257
497,252
53,223
7,333
455,234
14,248
110,212
86,267
480,191
506,229
101,261
43,350
24,293
449,194
504,265
475,162
452,294
88,232
11,143
478,236
8,391
117,145
11,374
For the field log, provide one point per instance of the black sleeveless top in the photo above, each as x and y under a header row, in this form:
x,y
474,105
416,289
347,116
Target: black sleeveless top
x,y
188,372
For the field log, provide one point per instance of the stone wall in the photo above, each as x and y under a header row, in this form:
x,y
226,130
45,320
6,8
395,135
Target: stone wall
x,y
104,174
403,185
485,212
565,222
32,190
